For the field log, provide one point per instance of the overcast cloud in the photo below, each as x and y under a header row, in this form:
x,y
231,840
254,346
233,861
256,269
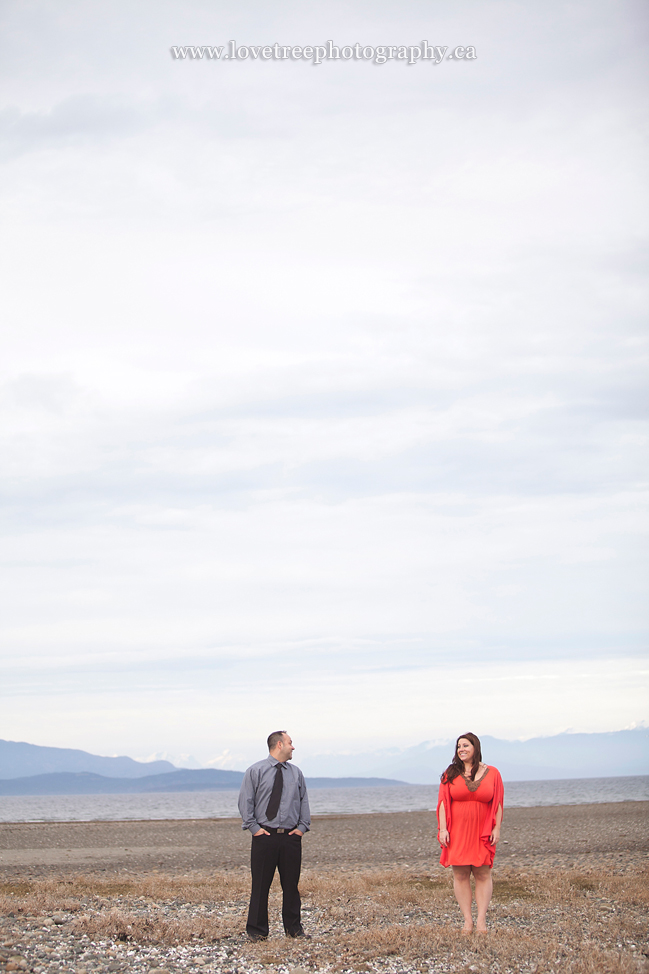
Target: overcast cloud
x,y
323,387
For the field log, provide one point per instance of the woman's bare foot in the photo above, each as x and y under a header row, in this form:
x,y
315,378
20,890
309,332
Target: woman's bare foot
x,y
481,929
467,929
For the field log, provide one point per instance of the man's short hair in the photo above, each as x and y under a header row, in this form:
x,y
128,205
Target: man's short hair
x,y
274,739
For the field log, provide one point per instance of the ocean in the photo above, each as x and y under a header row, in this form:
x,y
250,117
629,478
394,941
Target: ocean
x,y
324,801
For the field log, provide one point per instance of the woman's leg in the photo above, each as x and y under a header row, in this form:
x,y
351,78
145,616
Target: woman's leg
x,y
462,888
483,891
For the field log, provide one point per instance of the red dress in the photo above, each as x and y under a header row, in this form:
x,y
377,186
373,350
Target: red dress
x,y
470,809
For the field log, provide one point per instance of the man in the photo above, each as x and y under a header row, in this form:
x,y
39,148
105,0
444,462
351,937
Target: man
x,y
275,809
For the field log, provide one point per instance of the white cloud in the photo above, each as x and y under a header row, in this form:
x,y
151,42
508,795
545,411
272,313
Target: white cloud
x,y
340,365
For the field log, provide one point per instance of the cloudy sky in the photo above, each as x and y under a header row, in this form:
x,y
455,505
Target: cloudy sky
x,y
323,386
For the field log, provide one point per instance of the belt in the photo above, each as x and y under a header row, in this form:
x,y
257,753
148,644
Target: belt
x,y
277,831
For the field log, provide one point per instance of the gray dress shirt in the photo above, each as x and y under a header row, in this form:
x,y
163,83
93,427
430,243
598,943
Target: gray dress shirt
x,y
257,784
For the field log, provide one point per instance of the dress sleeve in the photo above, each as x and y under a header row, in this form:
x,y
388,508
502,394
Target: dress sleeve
x,y
444,796
498,799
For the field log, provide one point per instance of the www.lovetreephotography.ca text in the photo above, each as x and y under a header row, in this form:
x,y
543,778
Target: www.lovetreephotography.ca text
x,y
409,54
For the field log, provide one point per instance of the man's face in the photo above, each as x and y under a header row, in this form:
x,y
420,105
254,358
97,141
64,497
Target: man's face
x,y
285,749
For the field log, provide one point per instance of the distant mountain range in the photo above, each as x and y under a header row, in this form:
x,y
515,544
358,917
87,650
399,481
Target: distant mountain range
x,y
17,760
205,779
538,759
29,769
88,783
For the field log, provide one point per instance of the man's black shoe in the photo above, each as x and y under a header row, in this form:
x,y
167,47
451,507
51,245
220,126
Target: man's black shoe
x,y
256,936
300,933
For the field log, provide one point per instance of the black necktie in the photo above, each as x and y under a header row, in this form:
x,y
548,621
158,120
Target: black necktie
x,y
275,795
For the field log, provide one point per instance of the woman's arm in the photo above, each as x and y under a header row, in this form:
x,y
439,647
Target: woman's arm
x,y
442,832
495,832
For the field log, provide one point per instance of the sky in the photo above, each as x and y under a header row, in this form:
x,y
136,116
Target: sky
x,y
323,386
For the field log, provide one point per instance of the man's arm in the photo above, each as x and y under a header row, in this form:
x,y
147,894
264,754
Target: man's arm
x,y
304,823
247,803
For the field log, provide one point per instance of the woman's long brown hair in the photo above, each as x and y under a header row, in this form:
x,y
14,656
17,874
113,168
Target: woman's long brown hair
x,y
456,767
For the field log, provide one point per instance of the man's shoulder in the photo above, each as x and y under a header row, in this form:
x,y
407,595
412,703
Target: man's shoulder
x,y
258,765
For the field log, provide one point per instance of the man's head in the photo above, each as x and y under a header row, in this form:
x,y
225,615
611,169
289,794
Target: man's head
x,y
280,746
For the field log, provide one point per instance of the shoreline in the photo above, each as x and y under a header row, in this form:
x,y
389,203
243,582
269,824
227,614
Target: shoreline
x,y
315,816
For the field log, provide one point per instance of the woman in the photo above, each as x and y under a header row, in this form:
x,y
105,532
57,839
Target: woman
x,y
469,813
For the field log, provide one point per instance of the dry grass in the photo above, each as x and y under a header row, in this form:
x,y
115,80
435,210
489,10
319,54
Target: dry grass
x,y
579,923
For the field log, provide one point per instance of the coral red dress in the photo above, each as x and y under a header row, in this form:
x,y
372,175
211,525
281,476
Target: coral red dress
x,y
470,808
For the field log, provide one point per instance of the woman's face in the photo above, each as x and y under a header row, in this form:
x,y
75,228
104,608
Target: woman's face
x,y
465,750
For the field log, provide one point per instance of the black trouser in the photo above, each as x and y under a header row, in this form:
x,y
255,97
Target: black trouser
x,y
270,852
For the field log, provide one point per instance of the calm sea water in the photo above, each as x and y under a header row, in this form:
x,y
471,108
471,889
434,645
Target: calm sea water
x,y
324,801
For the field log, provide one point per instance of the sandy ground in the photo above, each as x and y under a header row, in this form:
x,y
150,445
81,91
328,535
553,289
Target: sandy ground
x,y
170,897
572,836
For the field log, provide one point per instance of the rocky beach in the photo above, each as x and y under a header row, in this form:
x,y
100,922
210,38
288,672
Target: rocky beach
x,y
570,894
